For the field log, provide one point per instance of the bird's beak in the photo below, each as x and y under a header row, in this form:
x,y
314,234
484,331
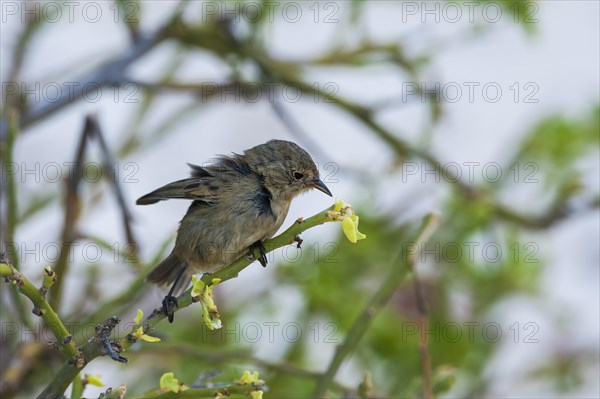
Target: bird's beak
x,y
319,185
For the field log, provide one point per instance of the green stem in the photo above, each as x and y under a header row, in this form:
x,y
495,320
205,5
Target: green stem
x,y
11,192
12,209
377,302
91,350
77,388
41,308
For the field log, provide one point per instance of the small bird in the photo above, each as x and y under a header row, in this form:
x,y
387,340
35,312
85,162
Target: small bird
x,y
239,201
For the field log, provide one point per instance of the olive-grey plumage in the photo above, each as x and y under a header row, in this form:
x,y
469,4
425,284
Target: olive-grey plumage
x,y
238,201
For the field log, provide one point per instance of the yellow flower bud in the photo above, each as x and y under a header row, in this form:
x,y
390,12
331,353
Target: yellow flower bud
x,y
168,383
248,378
94,380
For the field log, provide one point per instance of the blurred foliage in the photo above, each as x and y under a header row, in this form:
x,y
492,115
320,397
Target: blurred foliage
x,y
334,280
558,142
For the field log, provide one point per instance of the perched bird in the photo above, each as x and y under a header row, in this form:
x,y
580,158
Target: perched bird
x,y
239,201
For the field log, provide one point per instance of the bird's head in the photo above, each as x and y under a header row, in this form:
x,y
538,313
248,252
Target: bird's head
x,y
286,168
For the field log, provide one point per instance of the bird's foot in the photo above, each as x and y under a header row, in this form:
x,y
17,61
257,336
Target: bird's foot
x,y
298,241
260,247
168,306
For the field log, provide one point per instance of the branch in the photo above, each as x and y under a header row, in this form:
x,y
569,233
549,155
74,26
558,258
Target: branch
x,y
423,318
9,190
109,162
42,308
71,215
93,349
105,75
296,130
379,300
405,150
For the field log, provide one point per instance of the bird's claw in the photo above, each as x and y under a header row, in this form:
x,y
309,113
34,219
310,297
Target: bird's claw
x,y
298,241
167,306
262,257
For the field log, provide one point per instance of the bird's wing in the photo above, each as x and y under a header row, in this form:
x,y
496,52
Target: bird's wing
x,y
190,189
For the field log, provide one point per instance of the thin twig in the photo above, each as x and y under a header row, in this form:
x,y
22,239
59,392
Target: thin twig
x,y
423,324
105,75
427,232
404,150
31,25
365,115
125,298
109,164
377,302
296,130
8,231
72,206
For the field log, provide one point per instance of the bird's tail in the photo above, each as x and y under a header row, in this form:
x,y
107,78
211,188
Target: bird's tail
x,y
172,270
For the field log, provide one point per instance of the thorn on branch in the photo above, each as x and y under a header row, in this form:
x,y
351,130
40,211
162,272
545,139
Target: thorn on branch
x,y
15,278
37,311
77,361
114,393
131,338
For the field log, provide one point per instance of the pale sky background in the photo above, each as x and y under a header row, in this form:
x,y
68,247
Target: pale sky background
x,y
561,60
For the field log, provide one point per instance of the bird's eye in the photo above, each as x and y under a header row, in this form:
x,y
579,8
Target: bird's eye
x,y
298,175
